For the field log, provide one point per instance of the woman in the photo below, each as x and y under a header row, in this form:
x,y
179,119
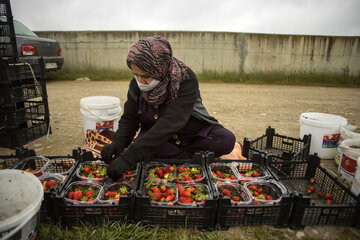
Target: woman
x,y
164,101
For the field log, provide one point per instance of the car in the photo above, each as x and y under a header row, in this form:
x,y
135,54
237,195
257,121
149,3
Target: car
x,y
30,47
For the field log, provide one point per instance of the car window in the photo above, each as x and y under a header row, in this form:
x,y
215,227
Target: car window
x,y
21,29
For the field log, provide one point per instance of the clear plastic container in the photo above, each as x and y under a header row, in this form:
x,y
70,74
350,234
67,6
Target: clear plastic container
x,y
193,194
35,165
86,197
92,171
161,193
269,192
50,181
160,172
189,173
60,165
111,193
223,172
237,193
250,172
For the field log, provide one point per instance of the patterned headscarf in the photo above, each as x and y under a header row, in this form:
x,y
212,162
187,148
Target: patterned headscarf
x,y
153,55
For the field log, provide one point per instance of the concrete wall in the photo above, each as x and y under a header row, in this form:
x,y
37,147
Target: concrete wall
x,y
217,51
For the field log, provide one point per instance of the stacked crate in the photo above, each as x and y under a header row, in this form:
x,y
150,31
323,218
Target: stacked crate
x,y
24,112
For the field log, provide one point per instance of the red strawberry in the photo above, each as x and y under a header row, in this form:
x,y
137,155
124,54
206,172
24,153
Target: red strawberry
x,y
328,196
198,176
312,189
163,188
309,192
269,198
185,193
71,195
226,193
256,174
252,187
312,180
50,184
160,173
328,201
170,169
87,169
181,170
155,189
259,190
255,194
169,191
89,194
170,198
235,198
77,195
166,175
157,196
320,194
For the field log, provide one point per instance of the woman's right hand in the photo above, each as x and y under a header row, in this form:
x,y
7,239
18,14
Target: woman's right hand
x,y
110,152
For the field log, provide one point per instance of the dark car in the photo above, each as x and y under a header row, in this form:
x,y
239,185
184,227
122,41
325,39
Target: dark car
x,y
30,47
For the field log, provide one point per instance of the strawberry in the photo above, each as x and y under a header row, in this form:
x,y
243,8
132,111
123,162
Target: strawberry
x,y
163,188
269,198
50,184
157,196
255,194
226,193
89,194
309,192
117,196
169,191
160,173
170,198
71,195
235,198
77,195
259,190
181,169
166,175
328,196
255,174
252,187
170,169
328,201
155,189
87,169
312,189
185,193
320,194
312,180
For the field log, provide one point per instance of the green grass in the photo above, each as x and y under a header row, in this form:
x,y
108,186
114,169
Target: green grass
x,y
278,78
117,230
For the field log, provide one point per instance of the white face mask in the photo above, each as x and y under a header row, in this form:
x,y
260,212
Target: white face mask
x,y
147,87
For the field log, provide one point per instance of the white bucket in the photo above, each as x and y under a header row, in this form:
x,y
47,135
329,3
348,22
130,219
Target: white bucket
x,y
21,196
325,132
348,159
100,113
355,187
346,132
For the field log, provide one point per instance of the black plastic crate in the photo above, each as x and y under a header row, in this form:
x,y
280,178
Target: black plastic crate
x,y
94,214
7,32
194,216
278,146
24,133
229,215
306,178
5,8
18,114
8,161
11,72
16,94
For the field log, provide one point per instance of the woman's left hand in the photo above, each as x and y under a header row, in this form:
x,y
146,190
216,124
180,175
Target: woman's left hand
x,y
117,167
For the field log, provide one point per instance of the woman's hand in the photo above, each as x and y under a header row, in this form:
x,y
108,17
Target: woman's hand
x,y
111,151
118,167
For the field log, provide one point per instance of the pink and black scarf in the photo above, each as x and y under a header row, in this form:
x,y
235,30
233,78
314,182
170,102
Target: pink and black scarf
x,y
153,55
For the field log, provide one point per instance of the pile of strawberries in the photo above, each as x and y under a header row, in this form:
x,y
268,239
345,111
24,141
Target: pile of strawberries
x,y
192,194
83,193
119,190
162,193
93,170
231,192
161,172
33,171
49,184
129,175
312,189
224,173
257,192
189,174
252,173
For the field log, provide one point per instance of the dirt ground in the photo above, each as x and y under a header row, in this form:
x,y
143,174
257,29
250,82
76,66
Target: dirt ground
x,y
247,110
